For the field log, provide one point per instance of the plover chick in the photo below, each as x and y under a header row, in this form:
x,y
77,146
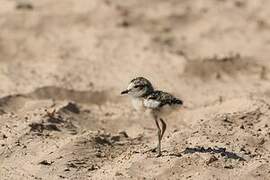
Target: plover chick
x,y
160,103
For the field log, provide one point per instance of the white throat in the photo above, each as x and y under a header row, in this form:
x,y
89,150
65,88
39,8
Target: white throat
x,y
138,103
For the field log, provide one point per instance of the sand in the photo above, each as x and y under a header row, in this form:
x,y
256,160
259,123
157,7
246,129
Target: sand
x,y
63,65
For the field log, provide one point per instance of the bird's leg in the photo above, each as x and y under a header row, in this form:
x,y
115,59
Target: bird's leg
x,y
163,127
159,137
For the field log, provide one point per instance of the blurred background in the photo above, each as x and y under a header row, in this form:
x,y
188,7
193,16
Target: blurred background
x,y
103,44
212,54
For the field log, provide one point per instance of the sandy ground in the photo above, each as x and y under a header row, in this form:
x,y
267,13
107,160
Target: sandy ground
x,y
63,65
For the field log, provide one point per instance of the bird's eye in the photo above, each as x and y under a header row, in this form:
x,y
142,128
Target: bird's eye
x,y
137,86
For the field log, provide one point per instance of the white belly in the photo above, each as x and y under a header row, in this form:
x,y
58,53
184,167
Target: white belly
x,y
150,103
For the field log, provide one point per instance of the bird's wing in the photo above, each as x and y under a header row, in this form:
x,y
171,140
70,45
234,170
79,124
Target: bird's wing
x,y
164,98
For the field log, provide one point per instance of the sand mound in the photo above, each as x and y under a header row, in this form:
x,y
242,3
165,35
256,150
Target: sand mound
x,y
224,68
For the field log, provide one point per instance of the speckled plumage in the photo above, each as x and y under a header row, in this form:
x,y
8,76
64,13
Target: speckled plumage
x,y
163,98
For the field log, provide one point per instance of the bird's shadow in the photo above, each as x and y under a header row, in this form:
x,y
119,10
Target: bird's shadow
x,y
216,150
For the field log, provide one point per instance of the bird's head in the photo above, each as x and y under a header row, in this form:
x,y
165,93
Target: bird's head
x,y
139,87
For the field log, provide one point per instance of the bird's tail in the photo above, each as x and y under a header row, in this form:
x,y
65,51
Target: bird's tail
x,y
178,101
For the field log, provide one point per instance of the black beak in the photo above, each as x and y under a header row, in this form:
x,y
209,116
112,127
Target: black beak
x,y
125,92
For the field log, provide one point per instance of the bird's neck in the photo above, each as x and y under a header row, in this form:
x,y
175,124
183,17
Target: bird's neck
x,y
147,92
